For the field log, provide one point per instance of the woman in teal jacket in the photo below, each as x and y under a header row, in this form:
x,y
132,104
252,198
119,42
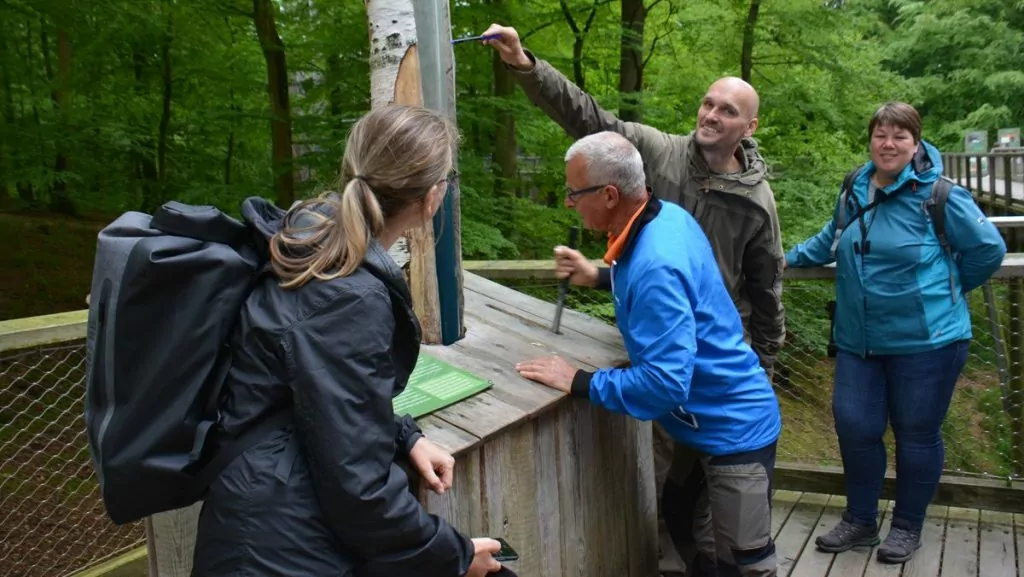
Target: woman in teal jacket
x,y
902,326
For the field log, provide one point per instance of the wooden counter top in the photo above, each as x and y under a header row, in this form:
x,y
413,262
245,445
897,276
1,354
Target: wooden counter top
x,y
503,327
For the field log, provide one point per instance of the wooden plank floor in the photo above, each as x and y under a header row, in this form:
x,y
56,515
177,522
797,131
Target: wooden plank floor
x,y
956,542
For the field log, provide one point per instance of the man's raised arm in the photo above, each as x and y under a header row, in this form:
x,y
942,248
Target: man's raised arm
x,y
573,109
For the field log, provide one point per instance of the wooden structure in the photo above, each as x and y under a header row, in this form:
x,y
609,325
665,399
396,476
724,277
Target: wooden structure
x,y
956,541
996,178
962,491
568,485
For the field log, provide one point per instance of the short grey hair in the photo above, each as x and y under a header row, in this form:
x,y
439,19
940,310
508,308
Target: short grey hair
x,y
611,159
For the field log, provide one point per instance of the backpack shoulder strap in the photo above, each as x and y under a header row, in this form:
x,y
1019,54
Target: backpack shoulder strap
x,y
844,193
937,210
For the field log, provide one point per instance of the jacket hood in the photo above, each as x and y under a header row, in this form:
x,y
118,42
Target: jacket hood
x,y
754,167
266,219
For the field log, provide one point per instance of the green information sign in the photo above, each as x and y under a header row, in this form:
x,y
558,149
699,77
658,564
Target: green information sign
x,y
1009,137
976,141
434,385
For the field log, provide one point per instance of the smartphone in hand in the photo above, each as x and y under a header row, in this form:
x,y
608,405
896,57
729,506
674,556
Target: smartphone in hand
x,y
507,553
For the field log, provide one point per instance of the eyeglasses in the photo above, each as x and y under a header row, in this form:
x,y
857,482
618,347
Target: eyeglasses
x,y
452,179
575,194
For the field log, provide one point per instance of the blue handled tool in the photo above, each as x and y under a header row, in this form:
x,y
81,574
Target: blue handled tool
x,y
470,38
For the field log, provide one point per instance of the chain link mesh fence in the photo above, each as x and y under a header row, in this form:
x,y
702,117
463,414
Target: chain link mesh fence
x,y
52,520
984,430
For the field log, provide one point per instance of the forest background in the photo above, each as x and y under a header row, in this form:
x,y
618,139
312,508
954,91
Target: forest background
x,y
125,104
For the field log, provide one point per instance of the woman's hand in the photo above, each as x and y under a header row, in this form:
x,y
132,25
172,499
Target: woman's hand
x,y
434,465
483,558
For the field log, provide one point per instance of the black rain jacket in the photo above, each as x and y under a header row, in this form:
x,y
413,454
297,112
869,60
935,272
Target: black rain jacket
x,y
324,496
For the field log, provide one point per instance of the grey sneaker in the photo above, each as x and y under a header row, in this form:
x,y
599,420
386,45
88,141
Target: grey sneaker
x,y
847,535
900,544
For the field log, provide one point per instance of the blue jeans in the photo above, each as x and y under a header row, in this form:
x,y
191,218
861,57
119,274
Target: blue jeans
x,y
912,392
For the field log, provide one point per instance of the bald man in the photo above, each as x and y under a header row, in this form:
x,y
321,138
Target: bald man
x,y
717,174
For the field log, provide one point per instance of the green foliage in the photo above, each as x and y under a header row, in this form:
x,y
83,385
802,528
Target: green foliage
x,y
123,104
958,60
820,69
963,57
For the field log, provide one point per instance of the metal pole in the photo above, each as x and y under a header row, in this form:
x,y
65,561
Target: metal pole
x,y
437,74
563,287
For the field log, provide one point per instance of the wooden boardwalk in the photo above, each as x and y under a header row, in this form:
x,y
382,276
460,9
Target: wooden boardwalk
x,y
956,542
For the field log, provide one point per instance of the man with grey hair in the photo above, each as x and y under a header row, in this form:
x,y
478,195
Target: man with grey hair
x,y
716,173
691,371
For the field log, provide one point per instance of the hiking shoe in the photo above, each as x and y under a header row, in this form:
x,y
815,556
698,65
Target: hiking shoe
x,y
847,535
900,544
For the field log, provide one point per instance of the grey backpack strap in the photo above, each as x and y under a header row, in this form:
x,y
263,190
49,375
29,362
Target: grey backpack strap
x,y
935,206
844,193
937,210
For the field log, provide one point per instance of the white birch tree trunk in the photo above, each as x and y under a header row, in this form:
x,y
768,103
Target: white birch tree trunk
x,y
395,77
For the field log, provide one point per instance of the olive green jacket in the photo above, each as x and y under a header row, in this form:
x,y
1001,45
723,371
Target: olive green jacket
x,y
737,212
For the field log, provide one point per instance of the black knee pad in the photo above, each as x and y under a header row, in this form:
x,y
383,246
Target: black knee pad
x,y
752,556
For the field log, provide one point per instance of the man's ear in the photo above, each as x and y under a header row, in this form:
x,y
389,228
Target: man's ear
x,y
751,127
611,196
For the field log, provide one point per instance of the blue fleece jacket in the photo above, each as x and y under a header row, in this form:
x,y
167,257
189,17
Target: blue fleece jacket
x,y
691,369
897,299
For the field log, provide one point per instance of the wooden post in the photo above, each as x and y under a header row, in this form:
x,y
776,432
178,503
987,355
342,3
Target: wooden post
x,y
170,541
1016,304
437,74
395,78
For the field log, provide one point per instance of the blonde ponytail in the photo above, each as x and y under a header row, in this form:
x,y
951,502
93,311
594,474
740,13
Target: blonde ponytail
x,y
361,220
393,157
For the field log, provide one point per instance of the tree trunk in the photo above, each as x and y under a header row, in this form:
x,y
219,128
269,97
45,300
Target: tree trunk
x,y
165,113
335,98
26,191
236,109
60,95
580,35
747,56
395,77
6,120
631,61
144,166
505,148
227,158
277,89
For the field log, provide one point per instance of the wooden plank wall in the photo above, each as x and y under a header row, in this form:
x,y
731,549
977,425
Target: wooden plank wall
x,y
556,487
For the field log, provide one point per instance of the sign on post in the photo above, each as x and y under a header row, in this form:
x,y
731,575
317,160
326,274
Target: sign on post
x,y
976,143
1009,138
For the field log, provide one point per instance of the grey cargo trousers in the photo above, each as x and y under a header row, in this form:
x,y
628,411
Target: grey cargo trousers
x,y
717,509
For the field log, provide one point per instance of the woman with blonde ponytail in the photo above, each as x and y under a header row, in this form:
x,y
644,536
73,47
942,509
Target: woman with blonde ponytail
x,y
330,333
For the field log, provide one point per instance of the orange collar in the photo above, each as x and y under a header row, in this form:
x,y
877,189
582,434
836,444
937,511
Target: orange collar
x,y
618,242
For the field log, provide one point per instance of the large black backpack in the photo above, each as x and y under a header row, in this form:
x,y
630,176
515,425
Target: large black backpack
x,y
166,293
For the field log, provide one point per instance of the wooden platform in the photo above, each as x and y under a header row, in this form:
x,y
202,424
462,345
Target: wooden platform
x,y
569,485
956,542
